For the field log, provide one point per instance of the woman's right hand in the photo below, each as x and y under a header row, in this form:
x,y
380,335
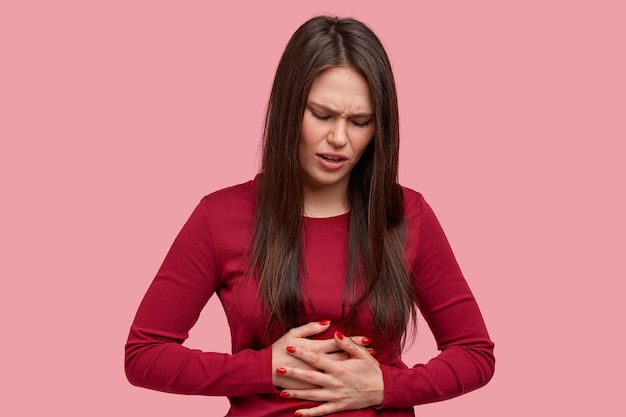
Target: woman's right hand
x,y
298,337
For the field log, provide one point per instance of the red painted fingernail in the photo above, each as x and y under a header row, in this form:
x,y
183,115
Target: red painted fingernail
x,y
281,371
325,322
291,349
339,335
284,394
366,341
372,352
297,414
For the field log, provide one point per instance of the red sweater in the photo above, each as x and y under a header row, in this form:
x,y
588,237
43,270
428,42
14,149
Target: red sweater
x,y
208,257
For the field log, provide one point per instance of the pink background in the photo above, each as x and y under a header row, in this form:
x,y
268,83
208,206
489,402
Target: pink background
x,y
117,116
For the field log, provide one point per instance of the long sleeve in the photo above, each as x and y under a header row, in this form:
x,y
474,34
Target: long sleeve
x,y
190,274
466,361
208,258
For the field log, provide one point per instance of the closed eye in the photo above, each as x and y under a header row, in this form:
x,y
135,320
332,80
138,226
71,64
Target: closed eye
x,y
354,122
361,124
319,116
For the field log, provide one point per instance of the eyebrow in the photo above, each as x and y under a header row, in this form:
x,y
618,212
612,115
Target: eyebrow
x,y
331,110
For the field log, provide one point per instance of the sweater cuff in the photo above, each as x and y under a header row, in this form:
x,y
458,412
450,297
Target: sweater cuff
x,y
264,377
247,372
388,384
394,397
268,372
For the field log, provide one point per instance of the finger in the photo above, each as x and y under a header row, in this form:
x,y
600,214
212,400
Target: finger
x,y
316,360
321,345
348,345
361,340
309,377
321,410
310,329
316,394
330,346
339,356
286,382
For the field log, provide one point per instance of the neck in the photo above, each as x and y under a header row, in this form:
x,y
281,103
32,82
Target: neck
x,y
325,201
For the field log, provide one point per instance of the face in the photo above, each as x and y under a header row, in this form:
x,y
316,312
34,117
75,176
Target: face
x,y
337,126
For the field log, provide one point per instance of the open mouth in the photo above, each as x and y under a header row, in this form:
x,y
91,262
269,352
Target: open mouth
x,y
332,158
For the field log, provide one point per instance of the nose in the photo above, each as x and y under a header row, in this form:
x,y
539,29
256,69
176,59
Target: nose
x,y
338,135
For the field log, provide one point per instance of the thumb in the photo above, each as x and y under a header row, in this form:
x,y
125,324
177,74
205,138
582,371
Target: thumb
x,y
310,329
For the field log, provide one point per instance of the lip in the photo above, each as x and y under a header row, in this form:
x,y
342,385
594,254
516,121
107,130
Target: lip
x,y
340,161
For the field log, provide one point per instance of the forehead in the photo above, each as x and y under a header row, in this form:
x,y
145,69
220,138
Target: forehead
x,y
341,88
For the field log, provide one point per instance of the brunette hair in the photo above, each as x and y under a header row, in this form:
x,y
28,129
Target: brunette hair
x,y
377,274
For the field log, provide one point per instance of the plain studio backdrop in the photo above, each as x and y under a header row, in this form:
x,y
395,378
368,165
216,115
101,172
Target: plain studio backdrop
x,y
116,117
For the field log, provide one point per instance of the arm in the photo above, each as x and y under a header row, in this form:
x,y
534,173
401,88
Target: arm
x,y
466,361
155,357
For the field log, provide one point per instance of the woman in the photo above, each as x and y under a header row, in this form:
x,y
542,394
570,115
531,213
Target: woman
x,y
322,243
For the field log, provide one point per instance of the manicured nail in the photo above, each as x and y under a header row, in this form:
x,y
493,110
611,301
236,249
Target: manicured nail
x,y
297,414
339,335
366,341
284,394
291,349
372,352
325,322
281,371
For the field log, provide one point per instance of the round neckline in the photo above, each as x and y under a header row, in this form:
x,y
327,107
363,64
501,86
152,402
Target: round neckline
x,y
330,219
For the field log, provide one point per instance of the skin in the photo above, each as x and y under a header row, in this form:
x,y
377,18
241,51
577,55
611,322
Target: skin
x,y
338,120
341,372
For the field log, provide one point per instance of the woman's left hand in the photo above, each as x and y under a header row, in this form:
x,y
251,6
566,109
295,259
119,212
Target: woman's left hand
x,y
351,384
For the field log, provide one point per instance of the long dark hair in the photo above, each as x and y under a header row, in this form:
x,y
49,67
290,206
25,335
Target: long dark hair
x,y
377,275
